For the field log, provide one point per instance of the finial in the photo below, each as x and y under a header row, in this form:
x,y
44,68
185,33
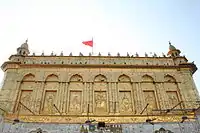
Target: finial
x,y
109,54
52,53
70,54
136,55
80,54
118,54
127,54
42,53
169,42
90,54
154,55
26,40
146,55
61,54
99,54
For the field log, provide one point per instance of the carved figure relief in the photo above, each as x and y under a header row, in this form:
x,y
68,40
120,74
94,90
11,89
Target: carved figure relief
x,y
26,99
125,101
49,102
100,102
173,98
151,100
75,101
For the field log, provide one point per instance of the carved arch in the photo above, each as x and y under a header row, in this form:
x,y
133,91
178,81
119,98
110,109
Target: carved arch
x,y
100,78
169,78
147,78
76,78
52,77
124,78
29,77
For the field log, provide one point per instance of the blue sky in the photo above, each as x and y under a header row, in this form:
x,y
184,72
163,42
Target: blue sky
x,y
116,25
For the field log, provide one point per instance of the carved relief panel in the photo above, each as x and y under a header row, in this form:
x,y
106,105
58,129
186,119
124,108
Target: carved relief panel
x,y
49,101
75,98
149,97
172,98
100,102
26,100
125,101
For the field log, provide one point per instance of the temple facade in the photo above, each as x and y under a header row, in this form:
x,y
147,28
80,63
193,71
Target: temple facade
x,y
123,90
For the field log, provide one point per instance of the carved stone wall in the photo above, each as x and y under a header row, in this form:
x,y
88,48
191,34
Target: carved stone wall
x,y
97,89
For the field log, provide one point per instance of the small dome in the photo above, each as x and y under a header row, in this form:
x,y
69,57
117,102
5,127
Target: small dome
x,y
171,47
25,45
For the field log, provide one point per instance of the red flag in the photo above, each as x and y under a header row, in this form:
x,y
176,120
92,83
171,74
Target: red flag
x,y
88,43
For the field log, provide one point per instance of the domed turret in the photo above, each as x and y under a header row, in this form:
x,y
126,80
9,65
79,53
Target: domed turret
x,y
23,50
173,52
171,47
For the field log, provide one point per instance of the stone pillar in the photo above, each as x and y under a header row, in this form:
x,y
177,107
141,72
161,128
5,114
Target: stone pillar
x,y
162,96
38,96
85,97
140,103
115,93
91,98
110,98
66,98
182,97
15,98
134,97
41,93
60,95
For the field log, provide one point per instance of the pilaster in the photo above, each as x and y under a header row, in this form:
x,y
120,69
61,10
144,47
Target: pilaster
x,y
110,98
140,100
66,98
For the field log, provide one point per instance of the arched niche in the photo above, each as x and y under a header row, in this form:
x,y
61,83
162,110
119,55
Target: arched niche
x,y
125,94
26,97
76,78
100,78
50,94
28,77
75,98
172,92
148,88
147,78
52,78
169,78
100,88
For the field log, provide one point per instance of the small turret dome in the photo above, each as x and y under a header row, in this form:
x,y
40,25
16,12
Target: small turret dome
x,y
173,52
25,45
23,50
171,47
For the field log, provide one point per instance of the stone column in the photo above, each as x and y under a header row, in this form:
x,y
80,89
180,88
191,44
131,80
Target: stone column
x,y
110,98
140,99
134,97
85,97
41,94
182,96
91,98
15,98
66,98
38,96
60,95
115,93
162,96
